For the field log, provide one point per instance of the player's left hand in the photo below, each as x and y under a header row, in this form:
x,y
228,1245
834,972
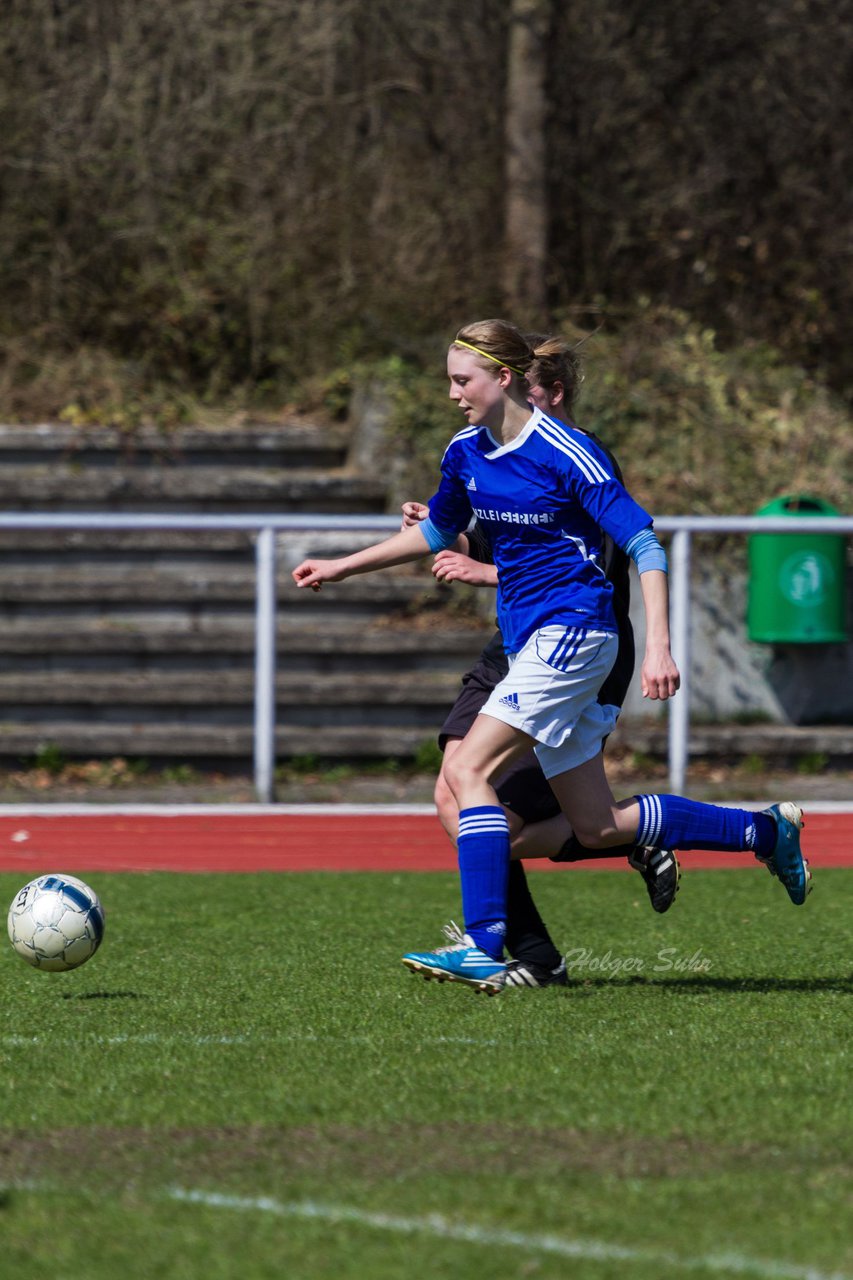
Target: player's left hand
x,y
659,677
413,513
452,566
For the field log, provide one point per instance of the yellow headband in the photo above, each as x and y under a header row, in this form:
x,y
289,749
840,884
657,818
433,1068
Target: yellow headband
x,y
457,342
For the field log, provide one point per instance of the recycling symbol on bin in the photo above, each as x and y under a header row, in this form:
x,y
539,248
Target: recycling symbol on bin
x,y
804,578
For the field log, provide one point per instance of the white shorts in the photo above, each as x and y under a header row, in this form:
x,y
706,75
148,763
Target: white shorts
x,y
551,691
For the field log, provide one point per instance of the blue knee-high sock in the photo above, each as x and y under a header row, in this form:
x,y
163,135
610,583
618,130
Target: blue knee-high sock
x,y
671,822
483,847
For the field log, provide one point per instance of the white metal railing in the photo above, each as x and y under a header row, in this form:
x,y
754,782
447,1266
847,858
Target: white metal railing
x,y
682,529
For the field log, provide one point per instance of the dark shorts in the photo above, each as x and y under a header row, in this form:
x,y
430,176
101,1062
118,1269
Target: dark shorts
x,y
477,684
524,788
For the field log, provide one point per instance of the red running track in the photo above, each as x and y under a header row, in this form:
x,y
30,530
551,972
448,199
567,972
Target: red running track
x,y
224,842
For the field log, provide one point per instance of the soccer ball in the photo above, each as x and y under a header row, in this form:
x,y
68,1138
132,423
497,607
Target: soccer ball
x,y
56,922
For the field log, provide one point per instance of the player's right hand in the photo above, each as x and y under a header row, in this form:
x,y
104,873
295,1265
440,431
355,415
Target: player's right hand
x,y
313,573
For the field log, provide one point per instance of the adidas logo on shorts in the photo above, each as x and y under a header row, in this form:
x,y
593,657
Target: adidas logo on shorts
x,y
511,701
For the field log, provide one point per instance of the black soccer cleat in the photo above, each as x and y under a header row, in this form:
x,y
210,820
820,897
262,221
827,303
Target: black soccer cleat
x,y
521,973
661,872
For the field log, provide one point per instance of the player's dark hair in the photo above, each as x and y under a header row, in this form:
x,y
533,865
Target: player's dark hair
x,y
554,360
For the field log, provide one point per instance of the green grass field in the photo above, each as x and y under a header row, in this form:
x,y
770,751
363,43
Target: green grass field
x,y
244,1081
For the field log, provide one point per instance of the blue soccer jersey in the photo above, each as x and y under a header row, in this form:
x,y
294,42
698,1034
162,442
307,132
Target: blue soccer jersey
x,y
543,500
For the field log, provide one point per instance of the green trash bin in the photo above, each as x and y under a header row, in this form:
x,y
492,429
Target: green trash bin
x,y
796,580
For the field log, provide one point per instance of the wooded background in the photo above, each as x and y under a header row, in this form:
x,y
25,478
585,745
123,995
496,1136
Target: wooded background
x,y
220,195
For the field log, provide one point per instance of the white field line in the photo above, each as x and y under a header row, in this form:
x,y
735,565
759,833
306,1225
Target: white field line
x,y
309,810
437,1227
440,1228
286,1037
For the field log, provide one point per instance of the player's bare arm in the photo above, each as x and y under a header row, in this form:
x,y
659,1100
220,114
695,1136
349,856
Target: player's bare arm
x,y
400,548
660,677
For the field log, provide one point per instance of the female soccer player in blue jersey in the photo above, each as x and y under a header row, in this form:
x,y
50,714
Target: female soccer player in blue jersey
x,y
537,826
544,493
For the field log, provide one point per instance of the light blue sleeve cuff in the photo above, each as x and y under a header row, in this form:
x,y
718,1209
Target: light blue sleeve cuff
x,y
437,539
646,552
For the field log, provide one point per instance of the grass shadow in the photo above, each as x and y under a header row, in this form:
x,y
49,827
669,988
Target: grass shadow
x,y
103,995
698,983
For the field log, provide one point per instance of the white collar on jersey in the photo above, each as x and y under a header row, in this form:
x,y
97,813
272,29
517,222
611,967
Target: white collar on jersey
x,y
517,441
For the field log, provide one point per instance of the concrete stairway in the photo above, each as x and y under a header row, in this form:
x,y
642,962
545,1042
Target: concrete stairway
x,y
141,644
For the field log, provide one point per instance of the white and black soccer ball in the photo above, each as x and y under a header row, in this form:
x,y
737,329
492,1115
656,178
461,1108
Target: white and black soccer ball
x,y
56,922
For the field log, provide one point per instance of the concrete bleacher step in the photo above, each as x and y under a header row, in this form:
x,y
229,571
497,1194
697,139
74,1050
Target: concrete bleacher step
x,y
115,691
67,487
178,583
77,643
769,741
51,546
168,740
296,443
68,546
231,743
